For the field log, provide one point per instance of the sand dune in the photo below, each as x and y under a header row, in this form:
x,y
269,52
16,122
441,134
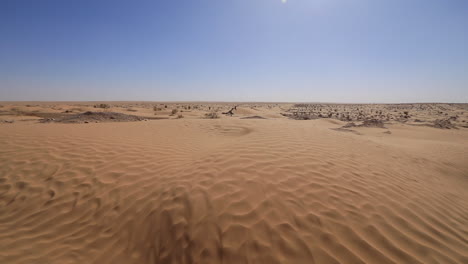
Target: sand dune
x,y
232,190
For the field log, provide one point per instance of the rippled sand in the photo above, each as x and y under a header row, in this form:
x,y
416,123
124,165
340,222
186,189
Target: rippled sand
x,y
232,190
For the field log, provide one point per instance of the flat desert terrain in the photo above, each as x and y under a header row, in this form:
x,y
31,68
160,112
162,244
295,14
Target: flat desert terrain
x,y
152,182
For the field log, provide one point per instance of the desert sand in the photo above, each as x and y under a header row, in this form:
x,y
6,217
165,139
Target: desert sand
x,y
155,182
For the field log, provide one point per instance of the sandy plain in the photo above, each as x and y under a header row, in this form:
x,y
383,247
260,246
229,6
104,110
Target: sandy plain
x,y
155,182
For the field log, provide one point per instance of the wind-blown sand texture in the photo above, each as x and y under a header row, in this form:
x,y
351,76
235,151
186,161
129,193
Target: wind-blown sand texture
x,y
233,190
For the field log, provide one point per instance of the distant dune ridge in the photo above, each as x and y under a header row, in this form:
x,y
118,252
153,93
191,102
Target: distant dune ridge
x,y
273,183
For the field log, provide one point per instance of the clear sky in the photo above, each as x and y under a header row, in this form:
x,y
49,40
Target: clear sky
x,y
235,50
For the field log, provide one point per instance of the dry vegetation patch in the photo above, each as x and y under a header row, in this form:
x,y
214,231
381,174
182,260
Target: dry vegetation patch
x,y
211,115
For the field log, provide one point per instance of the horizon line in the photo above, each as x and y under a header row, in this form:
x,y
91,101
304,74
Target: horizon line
x,y
214,101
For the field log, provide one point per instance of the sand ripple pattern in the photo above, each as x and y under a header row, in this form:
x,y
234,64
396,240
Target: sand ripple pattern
x,y
205,191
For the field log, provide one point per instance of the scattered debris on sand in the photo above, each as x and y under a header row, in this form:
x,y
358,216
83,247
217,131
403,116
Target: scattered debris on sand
x,y
88,117
442,116
301,116
211,115
367,123
104,106
443,124
373,123
411,114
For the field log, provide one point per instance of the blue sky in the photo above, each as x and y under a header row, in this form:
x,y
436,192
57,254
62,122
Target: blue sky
x,y
237,50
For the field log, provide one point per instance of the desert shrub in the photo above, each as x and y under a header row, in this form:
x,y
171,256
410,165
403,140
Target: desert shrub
x,y
180,116
104,106
132,110
16,111
443,123
174,111
212,115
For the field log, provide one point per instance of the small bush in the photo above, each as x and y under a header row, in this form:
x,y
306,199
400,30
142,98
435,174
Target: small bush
x,y
156,109
180,116
104,106
174,111
212,115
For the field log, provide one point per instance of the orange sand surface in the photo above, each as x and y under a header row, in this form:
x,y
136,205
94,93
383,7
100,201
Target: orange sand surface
x,y
232,190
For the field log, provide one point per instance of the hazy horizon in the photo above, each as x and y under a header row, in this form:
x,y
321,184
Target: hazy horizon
x,y
209,102
337,51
